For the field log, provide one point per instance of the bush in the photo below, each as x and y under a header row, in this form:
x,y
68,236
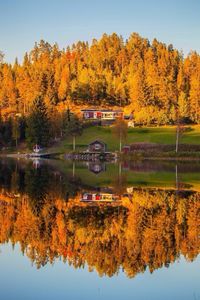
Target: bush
x,y
151,147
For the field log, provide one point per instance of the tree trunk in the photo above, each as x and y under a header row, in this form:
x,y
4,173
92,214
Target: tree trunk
x,y
73,172
74,143
177,183
120,171
177,138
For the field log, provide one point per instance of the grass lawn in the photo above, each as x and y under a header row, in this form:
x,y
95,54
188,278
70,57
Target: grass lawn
x,y
160,135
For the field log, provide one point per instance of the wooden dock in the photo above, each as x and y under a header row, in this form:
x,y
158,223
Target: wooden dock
x,y
92,156
40,155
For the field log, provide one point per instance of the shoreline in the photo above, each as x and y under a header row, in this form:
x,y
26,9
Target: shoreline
x,y
137,157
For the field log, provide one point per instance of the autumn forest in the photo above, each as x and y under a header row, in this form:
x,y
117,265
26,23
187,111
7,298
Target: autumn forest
x,y
151,79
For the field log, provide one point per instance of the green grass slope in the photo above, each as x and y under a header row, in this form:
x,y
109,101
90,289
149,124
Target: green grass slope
x,y
160,135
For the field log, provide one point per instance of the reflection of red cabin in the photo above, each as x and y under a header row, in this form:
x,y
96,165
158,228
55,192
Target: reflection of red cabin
x,y
98,197
125,165
101,197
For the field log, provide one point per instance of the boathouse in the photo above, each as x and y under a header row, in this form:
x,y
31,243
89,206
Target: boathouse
x,y
97,147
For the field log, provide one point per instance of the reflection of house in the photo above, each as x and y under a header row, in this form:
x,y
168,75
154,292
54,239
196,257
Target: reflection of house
x,y
97,167
99,197
97,146
101,114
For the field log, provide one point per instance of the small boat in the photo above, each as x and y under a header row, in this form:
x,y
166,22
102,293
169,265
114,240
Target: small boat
x,y
37,148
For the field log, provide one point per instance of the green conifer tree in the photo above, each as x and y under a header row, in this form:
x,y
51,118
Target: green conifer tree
x,y
38,125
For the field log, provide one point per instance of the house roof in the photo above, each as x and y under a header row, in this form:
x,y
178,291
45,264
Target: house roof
x,y
97,141
90,109
111,110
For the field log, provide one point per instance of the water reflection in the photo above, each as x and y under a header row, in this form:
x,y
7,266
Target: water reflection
x,y
41,209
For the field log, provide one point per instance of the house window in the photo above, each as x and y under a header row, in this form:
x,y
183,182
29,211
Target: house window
x,y
97,168
97,147
86,115
108,115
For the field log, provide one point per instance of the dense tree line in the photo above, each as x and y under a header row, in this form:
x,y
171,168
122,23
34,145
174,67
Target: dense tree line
x,y
12,131
152,80
41,126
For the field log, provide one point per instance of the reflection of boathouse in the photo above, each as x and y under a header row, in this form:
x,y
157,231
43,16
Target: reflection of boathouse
x,y
96,167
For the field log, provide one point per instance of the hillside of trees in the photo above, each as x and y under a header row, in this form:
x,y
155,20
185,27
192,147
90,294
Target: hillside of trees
x,y
151,79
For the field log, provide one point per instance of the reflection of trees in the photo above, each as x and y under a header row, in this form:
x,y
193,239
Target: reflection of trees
x,y
42,183
37,183
151,231
119,183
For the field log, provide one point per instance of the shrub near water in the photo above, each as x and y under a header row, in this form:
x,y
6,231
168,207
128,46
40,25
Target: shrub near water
x,y
146,147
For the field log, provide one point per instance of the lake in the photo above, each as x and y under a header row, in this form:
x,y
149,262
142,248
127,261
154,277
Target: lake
x,y
127,230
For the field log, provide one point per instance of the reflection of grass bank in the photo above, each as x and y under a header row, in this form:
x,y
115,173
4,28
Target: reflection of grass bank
x,y
163,178
157,155
147,174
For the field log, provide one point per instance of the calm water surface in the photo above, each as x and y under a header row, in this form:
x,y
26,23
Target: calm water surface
x,y
136,238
